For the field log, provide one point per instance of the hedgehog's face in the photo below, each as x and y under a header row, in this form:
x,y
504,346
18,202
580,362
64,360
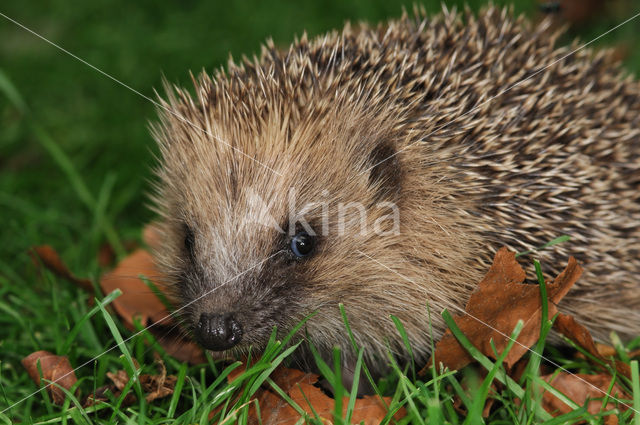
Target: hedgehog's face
x,y
251,244
249,267
254,282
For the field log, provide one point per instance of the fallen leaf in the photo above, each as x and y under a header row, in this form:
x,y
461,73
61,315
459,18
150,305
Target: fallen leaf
x,y
56,369
494,308
301,388
178,346
151,235
581,388
139,301
607,350
107,255
119,379
569,327
160,385
604,349
101,395
154,386
48,256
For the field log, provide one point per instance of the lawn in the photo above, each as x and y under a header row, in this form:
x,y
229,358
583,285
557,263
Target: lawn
x,y
76,154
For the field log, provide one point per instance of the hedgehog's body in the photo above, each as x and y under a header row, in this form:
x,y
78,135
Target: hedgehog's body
x,y
555,152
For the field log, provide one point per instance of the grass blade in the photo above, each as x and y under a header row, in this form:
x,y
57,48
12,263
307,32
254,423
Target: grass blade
x,y
487,363
354,388
635,383
182,372
129,364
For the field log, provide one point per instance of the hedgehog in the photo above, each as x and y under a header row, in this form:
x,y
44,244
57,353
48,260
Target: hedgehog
x,y
380,168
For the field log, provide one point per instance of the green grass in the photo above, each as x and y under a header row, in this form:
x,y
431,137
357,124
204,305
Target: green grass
x,y
75,156
202,389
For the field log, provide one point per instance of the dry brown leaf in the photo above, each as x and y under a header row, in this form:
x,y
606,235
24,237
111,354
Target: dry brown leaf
x,y
569,327
52,261
151,235
107,255
496,305
154,386
100,395
55,369
301,387
119,379
137,299
178,346
605,350
580,388
160,385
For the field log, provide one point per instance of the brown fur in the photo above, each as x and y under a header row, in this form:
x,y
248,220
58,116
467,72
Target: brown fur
x,y
557,154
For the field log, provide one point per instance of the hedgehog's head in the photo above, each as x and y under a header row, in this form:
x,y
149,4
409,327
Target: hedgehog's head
x,y
271,210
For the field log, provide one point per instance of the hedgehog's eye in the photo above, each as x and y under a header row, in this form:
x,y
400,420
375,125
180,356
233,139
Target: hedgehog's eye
x,y
302,244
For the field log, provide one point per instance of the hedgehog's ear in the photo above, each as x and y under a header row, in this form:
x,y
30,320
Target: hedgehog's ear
x,y
384,170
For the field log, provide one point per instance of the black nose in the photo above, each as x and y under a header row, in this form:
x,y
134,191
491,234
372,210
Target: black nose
x,y
218,332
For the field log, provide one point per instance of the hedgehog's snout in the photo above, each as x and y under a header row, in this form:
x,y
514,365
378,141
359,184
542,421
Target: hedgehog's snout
x,y
218,332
